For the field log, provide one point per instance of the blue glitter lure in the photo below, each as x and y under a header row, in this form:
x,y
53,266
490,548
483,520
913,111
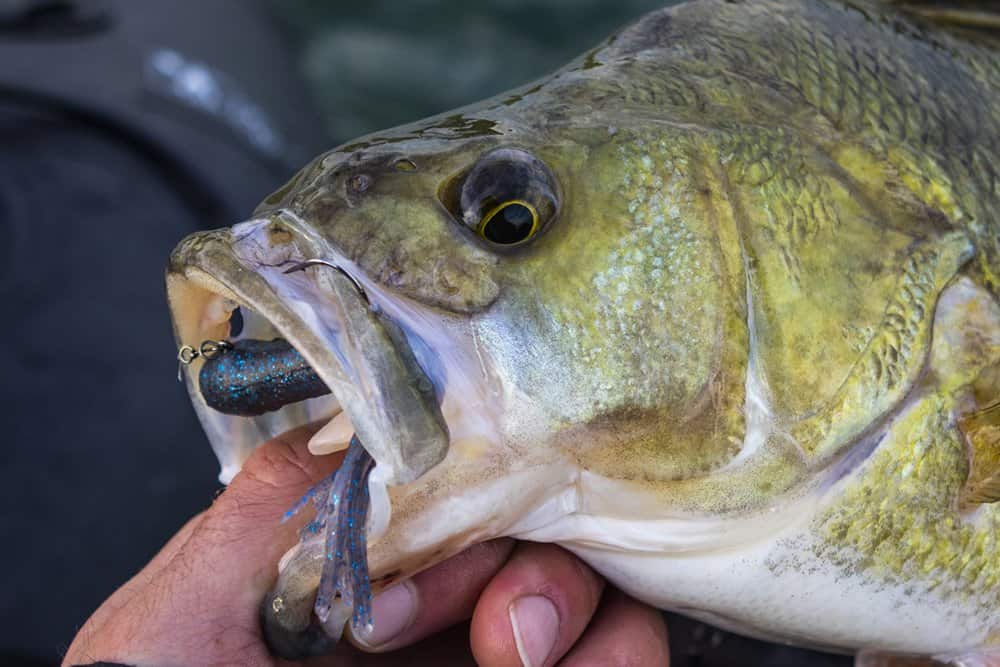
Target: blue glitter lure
x,y
253,377
342,510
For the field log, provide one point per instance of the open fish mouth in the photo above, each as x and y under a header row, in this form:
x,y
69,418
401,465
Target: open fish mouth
x,y
291,330
407,386
273,334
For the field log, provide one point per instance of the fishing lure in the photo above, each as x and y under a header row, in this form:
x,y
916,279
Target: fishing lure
x,y
253,377
341,512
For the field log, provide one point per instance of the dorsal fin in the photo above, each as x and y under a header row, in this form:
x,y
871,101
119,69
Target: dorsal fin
x,y
982,432
977,19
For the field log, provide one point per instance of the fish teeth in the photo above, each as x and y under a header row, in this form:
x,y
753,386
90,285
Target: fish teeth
x,y
333,437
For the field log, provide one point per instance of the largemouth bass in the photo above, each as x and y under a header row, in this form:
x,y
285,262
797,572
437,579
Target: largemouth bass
x,y
715,307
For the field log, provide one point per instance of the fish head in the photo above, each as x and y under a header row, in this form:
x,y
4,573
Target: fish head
x,y
519,267
500,306
563,284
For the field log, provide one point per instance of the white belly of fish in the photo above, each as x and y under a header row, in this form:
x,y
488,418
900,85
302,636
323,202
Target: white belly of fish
x,y
745,576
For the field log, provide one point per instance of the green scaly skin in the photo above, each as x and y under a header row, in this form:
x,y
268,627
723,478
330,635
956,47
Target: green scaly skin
x,y
774,187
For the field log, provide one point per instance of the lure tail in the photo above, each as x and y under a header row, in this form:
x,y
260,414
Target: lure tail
x,y
345,572
342,511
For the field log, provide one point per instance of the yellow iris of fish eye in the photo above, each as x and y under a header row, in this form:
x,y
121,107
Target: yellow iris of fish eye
x,y
491,215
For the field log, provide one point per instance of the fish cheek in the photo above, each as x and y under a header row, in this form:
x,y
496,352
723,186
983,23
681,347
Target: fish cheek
x,y
410,245
645,343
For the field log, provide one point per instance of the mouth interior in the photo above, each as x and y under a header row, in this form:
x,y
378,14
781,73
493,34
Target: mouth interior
x,y
247,376
252,377
207,314
350,508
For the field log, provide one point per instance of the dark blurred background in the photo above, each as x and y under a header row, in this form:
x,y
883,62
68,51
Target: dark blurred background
x,y
126,124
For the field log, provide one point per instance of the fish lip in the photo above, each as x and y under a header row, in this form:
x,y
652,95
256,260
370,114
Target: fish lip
x,y
369,372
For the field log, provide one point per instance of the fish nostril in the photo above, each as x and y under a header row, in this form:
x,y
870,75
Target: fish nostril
x,y
359,183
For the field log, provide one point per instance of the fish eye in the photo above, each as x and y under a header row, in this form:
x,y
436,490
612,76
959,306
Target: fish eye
x,y
509,223
508,197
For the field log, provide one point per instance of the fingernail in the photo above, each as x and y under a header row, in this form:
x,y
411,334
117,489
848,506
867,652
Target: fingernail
x,y
392,612
536,626
333,437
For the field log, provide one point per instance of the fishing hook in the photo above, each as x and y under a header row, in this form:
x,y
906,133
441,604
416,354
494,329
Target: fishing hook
x,y
301,266
209,349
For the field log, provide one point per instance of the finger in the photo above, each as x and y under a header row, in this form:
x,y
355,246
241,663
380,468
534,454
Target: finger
x,y
623,632
434,599
135,585
535,609
228,560
243,534
173,546
210,578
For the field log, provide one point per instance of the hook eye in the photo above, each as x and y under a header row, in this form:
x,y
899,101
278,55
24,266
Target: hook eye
x,y
209,349
187,354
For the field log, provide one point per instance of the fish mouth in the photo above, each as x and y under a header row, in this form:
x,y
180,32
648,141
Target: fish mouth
x,y
360,353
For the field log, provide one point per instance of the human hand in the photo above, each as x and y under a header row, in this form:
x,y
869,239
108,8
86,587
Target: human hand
x,y
198,600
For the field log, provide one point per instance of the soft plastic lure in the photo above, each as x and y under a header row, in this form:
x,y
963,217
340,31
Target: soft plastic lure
x,y
252,377
342,510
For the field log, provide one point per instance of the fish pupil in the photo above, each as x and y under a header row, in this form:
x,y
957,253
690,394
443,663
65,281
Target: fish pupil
x,y
511,224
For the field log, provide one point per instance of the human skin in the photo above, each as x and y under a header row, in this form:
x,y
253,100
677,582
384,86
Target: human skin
x,y
197,601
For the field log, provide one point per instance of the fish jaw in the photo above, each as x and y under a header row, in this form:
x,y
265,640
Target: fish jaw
x,y
371,372
420,393
471,497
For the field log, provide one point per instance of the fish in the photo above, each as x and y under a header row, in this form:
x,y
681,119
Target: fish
x,y
716,307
